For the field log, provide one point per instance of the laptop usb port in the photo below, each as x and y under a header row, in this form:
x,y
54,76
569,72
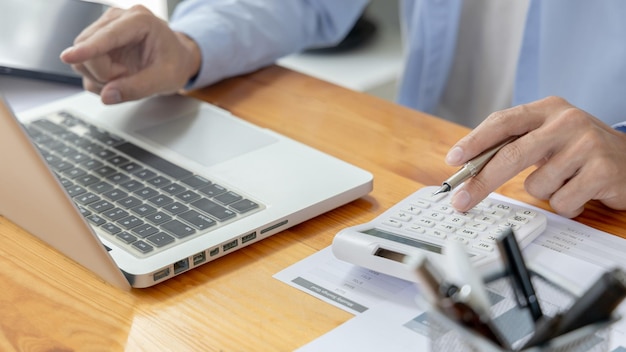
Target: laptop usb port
x,y
199,258
161,274
181,266
230,245
248,237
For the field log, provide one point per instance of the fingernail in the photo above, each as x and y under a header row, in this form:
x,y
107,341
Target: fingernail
x,y
112,96
461,200
455,156
67,50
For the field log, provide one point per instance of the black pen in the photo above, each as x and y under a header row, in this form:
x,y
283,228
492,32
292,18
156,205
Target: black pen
x,y
517,270
595,305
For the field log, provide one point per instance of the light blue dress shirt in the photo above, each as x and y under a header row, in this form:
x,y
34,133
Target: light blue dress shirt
x,y
575,49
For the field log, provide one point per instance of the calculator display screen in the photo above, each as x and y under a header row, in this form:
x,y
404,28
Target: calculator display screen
x,y
404,240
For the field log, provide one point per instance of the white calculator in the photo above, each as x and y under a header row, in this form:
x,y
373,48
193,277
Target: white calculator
x,y
421,224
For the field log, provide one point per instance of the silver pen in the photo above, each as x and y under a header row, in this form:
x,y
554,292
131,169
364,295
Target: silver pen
x,y
471,168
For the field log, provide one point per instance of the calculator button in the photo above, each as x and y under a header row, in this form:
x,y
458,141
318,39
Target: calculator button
x,y
402,216
392,223
489,238
467,233
497,213
485,219
460,239
477,226
446,209
519,219
512,225
526,212
426,222
502,207
421,203
483,246
436,233
416,229
436,216
445,228
456,221
412,209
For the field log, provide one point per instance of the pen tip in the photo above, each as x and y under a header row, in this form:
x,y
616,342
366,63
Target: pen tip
x,y
442,189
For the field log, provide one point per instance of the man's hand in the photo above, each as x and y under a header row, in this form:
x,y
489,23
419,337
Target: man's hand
x,y
132,54
578,157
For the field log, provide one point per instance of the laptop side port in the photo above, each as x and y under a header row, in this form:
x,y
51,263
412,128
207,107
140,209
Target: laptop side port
x,y
199,258
230,245
181,266
215,251
249,237
161,274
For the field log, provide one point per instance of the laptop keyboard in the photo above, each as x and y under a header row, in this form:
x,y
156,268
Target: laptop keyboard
x,y
139,200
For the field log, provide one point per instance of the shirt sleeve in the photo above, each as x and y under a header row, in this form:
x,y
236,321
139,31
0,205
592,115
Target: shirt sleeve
x,y
240,36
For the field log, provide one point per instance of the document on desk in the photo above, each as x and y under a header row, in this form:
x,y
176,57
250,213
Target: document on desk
x,y
386,315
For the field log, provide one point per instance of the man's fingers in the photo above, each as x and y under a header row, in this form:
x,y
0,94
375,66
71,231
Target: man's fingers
x,y
500,126
122,31
513,158
143,84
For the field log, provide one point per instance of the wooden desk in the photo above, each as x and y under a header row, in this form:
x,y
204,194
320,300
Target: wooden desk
x,y
48,303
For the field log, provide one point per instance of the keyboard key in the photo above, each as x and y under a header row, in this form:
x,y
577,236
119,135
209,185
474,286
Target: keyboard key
x,y
101,187
196,181
129,202
115,214
178,229
115,195
227,198
146,193
160,239
143,210
175,208
213,209
173,189
101,206
188,196
144,230
213,190
142,247
86,198
244,206
111,228
126,237
158,218
129,222
198,220
160,200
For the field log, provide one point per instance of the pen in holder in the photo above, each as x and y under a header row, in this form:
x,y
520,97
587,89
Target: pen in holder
x,y
524,310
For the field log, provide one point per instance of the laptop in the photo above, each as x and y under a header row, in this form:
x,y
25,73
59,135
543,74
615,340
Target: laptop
x,y
143,191
37,31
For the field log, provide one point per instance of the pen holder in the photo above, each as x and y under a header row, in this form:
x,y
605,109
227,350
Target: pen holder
x,y
515,324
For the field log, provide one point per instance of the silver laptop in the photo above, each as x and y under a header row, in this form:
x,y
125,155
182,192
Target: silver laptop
x,y
35,32
144,191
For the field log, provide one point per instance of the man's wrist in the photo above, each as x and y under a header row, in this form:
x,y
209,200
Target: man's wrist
x,y
193,56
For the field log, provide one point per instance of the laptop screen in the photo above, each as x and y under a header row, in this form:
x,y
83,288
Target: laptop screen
x,y
35,32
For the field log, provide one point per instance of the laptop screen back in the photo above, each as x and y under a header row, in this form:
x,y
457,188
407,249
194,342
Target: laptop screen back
x,y
35,32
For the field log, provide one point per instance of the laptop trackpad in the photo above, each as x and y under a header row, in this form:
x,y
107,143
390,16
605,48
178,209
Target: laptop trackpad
x,y
207,139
